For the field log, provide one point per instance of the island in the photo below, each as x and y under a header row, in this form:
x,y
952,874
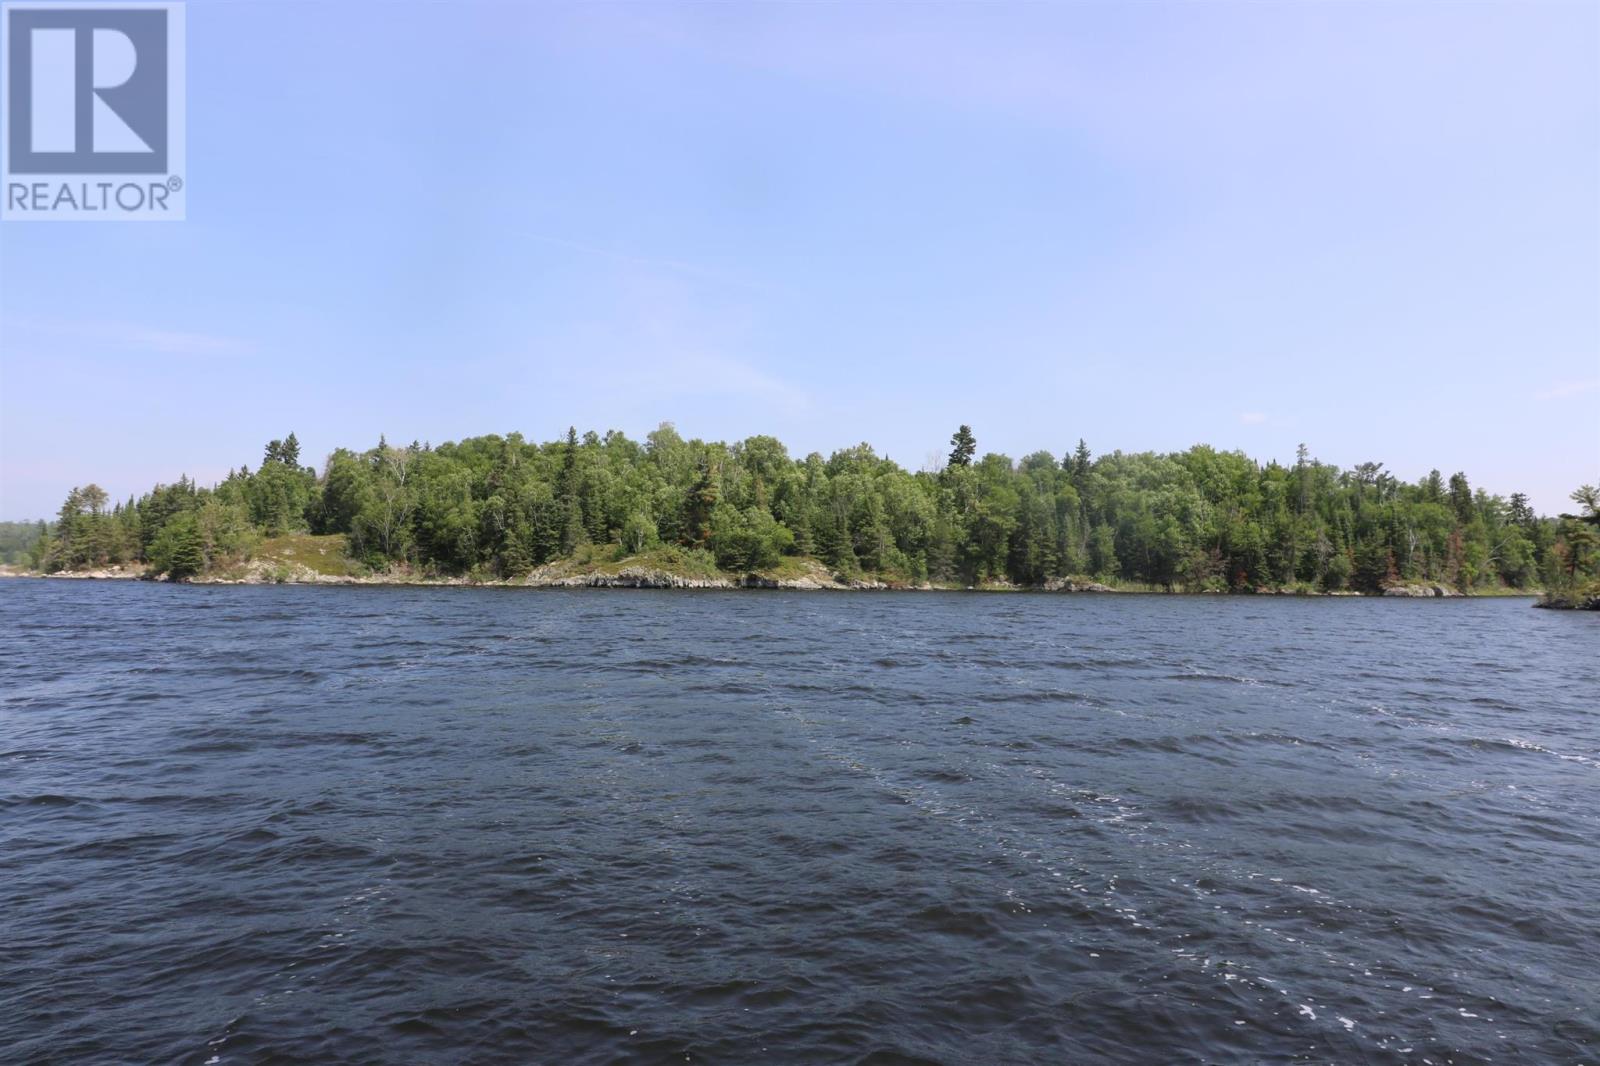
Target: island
x,y
668,512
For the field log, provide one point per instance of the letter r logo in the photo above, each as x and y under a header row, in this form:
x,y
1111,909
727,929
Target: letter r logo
x,y
55,91
87,90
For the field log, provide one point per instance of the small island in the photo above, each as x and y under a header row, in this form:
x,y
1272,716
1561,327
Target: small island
x,y
673,513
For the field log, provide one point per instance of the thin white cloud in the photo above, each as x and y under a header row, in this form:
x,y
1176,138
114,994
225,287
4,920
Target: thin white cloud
x,y
672,373
1252,418
668,376
172,342
1569,388
670,337
678,266
125,336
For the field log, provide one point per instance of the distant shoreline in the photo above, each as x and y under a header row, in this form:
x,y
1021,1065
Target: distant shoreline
x,y
646,578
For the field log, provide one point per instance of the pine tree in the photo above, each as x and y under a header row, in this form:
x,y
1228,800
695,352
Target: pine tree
x,y
1302,466
1461,498
572,530
964,446
702,501
1081,459
515,560
180,549
1587,497
573,533
567,477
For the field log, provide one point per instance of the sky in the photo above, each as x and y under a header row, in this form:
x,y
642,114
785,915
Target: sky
x,y
1373,228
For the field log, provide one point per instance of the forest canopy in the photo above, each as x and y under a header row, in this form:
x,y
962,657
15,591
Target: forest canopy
x,y
496,507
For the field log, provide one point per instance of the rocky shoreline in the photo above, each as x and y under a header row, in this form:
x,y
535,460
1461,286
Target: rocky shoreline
x,y
1421,591
638,577
643,577
1574,602
632,577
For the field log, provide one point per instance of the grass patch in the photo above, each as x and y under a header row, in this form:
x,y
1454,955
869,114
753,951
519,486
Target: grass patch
x,y
608,559
323,555
795,567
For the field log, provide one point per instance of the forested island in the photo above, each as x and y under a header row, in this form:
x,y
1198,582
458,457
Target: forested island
x,y
609,510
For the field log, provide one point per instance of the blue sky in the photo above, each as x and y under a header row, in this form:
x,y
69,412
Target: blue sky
x,y
1371,227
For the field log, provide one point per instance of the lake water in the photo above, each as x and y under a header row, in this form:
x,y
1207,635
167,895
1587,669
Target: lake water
x,y
501,825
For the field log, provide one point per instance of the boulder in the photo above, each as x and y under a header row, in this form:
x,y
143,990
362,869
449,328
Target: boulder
x,y
1068,584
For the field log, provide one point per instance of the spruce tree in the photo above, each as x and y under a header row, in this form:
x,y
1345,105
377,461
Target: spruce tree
x,y
702,501
183,548
964,446
567,476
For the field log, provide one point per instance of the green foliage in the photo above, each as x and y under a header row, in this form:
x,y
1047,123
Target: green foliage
x,y
1572,566
638,533
1572,570
20,541
748,540
87,535
1337,571
963,445
179,549
285,452
498,506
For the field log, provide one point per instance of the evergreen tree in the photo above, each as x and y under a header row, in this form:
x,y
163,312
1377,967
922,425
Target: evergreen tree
x,y
1461,497
1081,459
572,530
515,558
963,447
700,506
1587,497
567,479
179,550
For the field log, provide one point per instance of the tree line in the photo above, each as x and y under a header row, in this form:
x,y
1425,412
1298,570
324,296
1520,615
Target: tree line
x,y
496,507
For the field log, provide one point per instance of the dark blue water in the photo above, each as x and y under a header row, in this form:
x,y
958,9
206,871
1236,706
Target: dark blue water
x,y
471,825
